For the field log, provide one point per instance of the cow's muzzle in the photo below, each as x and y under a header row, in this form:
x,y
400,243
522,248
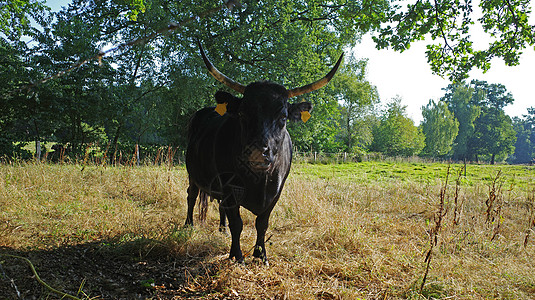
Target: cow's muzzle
x,y
260,159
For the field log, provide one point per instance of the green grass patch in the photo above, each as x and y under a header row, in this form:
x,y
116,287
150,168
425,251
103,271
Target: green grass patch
x,y
519,177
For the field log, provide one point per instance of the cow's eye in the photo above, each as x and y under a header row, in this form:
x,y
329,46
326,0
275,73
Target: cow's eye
x,y
283,120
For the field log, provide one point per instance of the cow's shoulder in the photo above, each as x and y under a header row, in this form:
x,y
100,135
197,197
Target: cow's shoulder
x,y
204,120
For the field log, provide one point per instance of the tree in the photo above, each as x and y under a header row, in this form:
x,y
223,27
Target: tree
x,y
494,134
13,111
439,127
493,130
16,16
320,132
490,95
459,100
484,129
357,97
448,23
525,137
396,134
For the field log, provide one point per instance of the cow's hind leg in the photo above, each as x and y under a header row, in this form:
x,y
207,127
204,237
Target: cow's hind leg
x,y
193,192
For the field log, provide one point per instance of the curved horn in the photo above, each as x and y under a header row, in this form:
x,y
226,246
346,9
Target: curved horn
x,y
238,87
318,84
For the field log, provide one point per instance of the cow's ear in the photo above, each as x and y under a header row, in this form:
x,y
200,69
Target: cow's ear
x,y
296,111
232,104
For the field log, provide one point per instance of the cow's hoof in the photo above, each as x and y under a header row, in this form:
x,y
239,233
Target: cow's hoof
x,y
260,260
239,261
260,255
238,258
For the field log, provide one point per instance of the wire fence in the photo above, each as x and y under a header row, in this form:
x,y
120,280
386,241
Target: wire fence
x,y
137,155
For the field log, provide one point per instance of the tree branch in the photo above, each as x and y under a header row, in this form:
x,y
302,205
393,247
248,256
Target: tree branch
x,y
437,17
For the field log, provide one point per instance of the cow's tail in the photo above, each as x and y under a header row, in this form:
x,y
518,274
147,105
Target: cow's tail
x,y
203,206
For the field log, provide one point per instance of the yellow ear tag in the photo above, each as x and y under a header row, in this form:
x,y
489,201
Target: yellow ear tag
x,y
305,115
221,108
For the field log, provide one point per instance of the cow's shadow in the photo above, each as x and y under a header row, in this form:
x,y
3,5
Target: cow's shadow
x,y
107,270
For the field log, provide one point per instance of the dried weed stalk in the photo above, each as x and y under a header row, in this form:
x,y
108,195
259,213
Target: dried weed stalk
x,y
104,159
494,204
158,155
531,216
170,156
44,284
458,203
433,234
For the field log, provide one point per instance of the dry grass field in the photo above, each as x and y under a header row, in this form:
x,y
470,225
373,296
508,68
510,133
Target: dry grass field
x,y
339,231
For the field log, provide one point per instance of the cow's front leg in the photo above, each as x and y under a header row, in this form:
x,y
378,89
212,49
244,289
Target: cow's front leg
x,y
235,224
222,219
262,222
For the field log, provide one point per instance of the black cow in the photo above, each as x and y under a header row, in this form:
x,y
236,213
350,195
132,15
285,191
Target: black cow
x,y
242,157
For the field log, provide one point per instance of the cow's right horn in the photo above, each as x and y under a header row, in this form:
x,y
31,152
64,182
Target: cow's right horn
x,y
238,87
318,84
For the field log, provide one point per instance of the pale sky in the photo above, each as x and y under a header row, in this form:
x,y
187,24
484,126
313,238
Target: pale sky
x,y
409,75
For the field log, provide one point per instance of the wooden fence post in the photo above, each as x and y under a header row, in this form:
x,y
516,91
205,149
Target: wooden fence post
x,y
137,154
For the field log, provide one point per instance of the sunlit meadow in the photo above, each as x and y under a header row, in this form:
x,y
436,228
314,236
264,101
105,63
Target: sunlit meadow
x,y
339,231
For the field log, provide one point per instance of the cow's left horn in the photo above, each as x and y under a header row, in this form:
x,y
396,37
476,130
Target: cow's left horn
x,y
238,87
318,84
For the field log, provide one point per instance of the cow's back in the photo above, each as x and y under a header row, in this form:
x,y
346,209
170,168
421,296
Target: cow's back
x,y
211,143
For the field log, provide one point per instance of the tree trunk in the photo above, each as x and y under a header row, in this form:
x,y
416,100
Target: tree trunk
x,y
115,140
82,139
349,129
38,150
